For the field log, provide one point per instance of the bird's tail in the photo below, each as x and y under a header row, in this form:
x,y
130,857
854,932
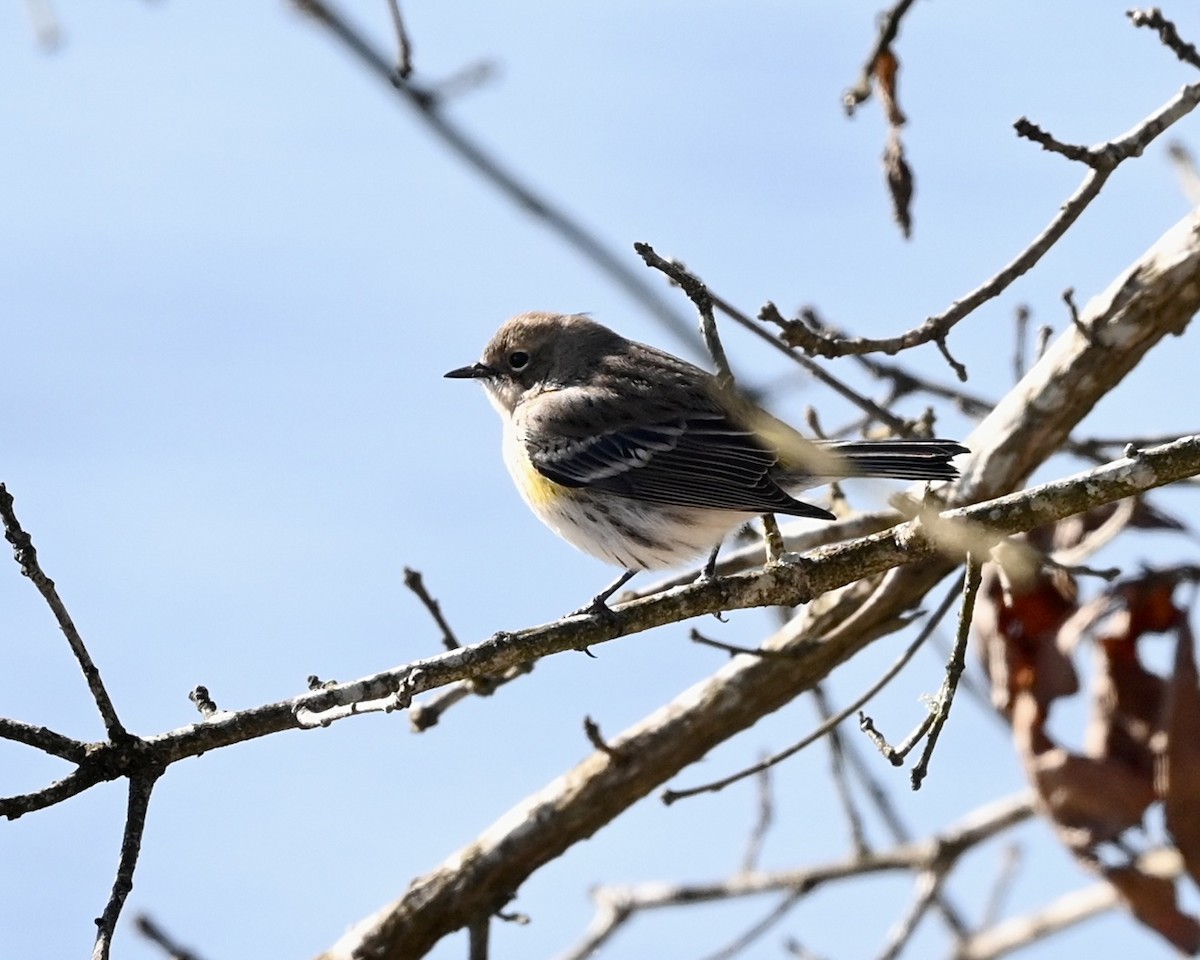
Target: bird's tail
x,y
897,459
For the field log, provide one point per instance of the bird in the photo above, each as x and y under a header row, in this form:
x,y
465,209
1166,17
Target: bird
x,y
647,461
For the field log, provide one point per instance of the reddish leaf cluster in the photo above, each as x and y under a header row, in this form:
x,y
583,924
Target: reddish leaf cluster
x,y
901,184
1141,745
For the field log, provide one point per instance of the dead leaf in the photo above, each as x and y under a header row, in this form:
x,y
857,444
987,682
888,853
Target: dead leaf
x,y
1088,800
1127,706
900,182
1179,770
1019,629
887,74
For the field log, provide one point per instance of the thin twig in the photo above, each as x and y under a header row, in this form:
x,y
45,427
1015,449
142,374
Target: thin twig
x,y
670,796
889,28
734,649
140,787
769,313
993,907
762,823
929,884
884,806
403,44
26,557
837,767
1103,160
591,729
161,939
44,739
897,754
954,670
416,583
615,906
756,930
1154,20
1020,347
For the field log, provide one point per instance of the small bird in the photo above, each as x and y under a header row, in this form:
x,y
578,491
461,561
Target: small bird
x,y
645,460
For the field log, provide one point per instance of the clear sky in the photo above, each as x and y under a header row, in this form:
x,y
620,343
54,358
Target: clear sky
x,y
233,268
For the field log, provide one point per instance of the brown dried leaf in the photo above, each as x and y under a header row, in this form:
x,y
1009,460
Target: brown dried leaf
x,y
1127,706
887,75
1179,771
1020,632
1152,900
899,181
1150,600
1088,800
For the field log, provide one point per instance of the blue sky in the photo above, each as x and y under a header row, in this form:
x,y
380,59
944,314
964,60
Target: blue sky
x,y
235,268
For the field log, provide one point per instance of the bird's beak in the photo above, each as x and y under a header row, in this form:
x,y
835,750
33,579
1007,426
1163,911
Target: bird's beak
x,y
476,371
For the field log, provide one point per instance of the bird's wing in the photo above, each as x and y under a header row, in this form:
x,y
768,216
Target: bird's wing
x,y
698,458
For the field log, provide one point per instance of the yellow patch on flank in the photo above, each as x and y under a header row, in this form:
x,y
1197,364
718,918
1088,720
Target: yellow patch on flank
x,y
537,490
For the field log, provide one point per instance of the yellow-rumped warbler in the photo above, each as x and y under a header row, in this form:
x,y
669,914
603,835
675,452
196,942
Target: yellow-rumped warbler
x,y
642,459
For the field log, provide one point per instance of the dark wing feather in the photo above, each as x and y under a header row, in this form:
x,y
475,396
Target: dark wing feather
x,y
700,459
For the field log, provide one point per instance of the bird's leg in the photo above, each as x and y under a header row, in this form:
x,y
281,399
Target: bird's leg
x,y
598,605
773,538
709,570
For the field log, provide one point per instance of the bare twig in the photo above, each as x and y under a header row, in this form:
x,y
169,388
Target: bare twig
x,y
889,28
837,767
1067,911
140,787
416,583
1153,19
670,796
756,930
615,906
161,939
1010,863
1185,168
894,755
44,739
1031,131
928,885
422,716
762,823
882,801
591,730
1102,160
733,649
1021,342
27,559
770,314
954,669
403,44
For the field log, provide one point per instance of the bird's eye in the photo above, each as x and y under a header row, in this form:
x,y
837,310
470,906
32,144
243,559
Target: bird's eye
x,y
518,359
